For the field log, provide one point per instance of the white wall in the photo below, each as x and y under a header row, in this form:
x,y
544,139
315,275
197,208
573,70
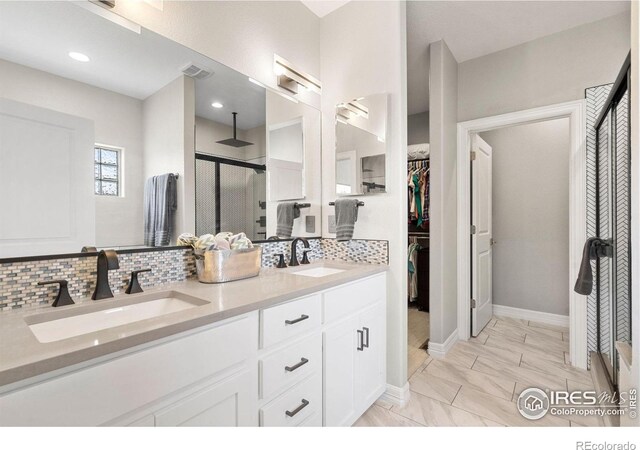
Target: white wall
x,y
243,35
531,215
363,48
118,122
549,70
418,128
168,124
443,101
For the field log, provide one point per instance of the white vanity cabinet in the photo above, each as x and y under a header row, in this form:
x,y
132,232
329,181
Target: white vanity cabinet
x,y
312,361
354,339
192,378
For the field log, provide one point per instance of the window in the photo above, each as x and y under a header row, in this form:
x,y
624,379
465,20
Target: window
x,y
107,171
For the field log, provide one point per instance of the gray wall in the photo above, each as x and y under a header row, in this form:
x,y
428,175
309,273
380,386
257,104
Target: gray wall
x,y
531,215
418,128
443,288
552,69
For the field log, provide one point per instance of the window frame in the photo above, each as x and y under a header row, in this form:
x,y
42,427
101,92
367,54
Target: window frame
x,y
119,180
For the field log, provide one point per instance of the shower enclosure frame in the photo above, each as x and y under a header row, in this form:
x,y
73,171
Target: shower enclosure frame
x,y
218,161
609,116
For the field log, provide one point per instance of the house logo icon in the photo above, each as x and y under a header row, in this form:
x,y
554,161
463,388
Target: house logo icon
x,y
533,403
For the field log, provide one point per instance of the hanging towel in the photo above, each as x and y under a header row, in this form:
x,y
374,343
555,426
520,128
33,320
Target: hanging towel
x,y
160,205
346,217
286,214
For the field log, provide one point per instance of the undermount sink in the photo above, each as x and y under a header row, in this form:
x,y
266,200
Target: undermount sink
x,y
57,325
318,272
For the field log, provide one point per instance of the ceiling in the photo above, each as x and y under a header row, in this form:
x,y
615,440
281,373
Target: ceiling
x,y
476,28
40,35
323,7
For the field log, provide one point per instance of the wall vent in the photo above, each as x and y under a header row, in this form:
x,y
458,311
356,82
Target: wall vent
x,y
197,72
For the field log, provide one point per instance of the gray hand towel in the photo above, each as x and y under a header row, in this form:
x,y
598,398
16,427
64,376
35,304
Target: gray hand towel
x,y
346,217
584,283
286,213
160,204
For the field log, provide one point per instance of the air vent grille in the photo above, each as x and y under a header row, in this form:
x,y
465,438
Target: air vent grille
x,y
197,72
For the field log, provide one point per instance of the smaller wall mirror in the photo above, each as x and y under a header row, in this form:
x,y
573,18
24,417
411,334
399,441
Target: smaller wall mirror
x,y
361,127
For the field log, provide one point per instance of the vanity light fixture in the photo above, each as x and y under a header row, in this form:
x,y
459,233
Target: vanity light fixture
x,y
291,79
217,105
352,109
81,57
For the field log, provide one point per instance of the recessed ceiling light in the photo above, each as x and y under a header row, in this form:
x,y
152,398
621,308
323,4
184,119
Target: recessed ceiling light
x,y
217,105
79,56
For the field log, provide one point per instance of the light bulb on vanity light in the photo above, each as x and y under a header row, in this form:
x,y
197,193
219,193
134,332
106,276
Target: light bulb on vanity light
x,y
81,57
217,105
278,69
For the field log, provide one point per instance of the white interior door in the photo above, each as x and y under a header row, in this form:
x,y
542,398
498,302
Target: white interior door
x,y
481,238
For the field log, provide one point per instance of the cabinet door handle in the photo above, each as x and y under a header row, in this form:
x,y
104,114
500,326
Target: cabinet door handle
x,y
299,319
360,343
298,409
366,332
302,362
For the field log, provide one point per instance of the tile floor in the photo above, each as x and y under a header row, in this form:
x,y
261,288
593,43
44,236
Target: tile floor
x,y
478,382
417,335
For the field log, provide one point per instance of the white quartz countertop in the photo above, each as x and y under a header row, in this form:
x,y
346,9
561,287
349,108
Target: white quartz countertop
x,y
22,356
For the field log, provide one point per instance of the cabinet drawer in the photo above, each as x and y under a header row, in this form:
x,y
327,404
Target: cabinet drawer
x,y
290,319
294,406
314,421
289,365
349,299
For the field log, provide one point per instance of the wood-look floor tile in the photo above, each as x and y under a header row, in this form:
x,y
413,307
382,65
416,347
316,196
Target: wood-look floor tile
x,y
459,358
542,343
547,326
511,320
506,356
573,385
490,384
521,375
524,329
499,410
523,347
377,416
480,339
434,387
500,331
416,358
432,413
567,358
555,368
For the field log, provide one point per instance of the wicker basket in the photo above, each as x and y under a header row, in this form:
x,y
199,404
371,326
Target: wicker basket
x,y
221,266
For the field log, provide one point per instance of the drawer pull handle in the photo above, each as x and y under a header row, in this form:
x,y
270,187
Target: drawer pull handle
x,y
294,321
298,409
366,333
360,343
302,362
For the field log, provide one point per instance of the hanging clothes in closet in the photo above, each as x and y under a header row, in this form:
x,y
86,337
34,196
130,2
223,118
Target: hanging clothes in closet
x,y
418,193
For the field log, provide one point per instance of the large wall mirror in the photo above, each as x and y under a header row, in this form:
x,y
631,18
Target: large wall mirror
x,y
361,127
113,136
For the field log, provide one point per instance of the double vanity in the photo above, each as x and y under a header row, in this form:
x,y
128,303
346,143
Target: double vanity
x,y
302,346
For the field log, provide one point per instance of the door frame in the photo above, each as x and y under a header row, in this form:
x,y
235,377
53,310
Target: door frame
x,y
576,112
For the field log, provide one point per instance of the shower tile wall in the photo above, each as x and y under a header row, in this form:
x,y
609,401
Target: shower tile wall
x,y
596,97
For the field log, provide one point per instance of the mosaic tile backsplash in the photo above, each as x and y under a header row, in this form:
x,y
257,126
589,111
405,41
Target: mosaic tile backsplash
x,y
19,288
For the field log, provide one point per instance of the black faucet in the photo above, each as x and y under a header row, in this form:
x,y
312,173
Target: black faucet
x,y
294,250
107,260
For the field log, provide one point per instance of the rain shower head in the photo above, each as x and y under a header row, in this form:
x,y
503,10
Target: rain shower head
x,y
234,141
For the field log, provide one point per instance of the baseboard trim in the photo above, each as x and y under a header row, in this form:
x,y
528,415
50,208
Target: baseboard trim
x,y
397,396
527,314
437,350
